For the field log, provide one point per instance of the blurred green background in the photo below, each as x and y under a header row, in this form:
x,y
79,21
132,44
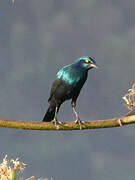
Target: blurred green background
x,y
37,38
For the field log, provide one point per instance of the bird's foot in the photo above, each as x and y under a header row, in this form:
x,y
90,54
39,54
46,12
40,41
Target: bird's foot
x,y
78,121
120,122
57,123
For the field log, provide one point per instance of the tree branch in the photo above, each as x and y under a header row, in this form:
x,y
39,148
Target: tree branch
x,y
109,123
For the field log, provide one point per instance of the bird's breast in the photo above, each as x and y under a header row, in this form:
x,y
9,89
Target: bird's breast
x,y
71,75
71,79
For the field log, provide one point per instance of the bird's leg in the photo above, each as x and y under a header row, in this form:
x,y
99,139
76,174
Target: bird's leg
x,y
77,121
55,121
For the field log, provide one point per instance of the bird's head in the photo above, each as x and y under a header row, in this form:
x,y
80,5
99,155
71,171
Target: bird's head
x,y
86,62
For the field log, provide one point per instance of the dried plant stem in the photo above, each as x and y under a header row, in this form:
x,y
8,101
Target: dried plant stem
x,y
115,122
14,175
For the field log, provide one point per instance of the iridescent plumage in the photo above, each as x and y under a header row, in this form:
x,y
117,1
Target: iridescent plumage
x,y
69,81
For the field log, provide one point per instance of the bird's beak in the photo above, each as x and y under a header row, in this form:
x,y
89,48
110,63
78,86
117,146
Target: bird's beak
x,y
94,66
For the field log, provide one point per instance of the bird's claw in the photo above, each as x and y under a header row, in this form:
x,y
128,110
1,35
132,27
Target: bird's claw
x,y
57,123
78,121
120,122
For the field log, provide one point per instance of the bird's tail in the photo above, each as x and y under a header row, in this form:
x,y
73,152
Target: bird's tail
x,y
50,113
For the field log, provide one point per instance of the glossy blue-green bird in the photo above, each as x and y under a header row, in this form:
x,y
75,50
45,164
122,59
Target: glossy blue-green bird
x,y
68,84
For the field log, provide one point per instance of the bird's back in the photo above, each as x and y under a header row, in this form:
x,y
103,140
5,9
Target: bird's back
x,y
68,83
72,75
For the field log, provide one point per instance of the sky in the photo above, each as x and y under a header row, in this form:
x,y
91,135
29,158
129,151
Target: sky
x,y
37,38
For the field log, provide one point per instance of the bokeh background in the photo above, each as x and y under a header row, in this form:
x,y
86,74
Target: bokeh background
x,y
37,38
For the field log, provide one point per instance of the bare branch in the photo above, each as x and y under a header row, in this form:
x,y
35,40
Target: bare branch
x,y
116,122
109,123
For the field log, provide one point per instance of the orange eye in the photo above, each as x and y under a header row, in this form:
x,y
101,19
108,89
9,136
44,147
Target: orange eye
x,y
86,60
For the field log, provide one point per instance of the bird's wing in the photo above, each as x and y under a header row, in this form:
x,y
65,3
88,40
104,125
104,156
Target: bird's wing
x,y
55,85
67,84
58,82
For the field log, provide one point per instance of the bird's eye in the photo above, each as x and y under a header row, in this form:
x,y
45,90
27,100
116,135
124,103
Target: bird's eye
x,y
87,61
